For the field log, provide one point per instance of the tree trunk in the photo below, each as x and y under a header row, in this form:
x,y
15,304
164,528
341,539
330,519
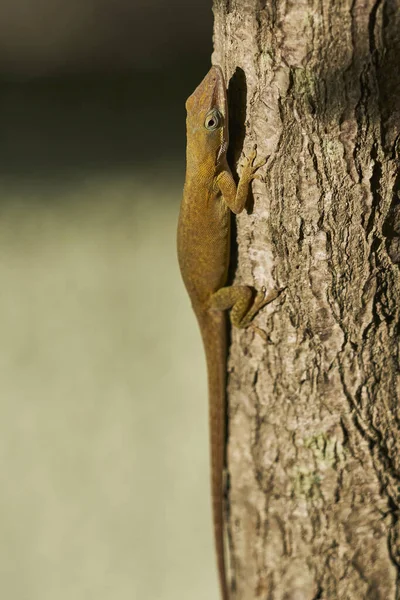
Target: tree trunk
x,y
313,449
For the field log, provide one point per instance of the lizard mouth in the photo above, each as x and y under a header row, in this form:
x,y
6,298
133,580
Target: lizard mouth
x,y
209,94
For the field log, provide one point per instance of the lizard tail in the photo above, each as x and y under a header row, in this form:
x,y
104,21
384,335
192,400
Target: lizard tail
x,y
213,330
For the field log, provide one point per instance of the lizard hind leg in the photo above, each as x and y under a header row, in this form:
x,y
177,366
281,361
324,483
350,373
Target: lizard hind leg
x,y
239,298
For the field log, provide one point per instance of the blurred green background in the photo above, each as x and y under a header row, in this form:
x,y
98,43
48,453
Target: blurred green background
x,y
103,413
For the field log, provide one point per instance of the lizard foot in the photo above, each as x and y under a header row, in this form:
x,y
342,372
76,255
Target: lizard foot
x,y
262,299
263,334
253,167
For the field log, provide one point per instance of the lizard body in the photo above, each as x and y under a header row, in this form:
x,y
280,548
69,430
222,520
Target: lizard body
x,y
210,195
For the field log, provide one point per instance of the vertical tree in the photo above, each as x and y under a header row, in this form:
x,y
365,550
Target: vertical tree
x,y
313,451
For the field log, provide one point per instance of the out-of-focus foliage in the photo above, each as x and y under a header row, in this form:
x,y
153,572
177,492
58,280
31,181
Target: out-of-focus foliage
x,y
53,36
103,409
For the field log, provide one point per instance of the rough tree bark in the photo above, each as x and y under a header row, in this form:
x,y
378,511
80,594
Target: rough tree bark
x,y
313,446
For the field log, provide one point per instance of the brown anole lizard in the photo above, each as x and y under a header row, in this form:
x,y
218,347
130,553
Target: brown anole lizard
x,y
210,195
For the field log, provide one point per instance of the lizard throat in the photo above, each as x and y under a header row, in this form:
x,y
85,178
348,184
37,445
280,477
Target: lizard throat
x,y
222,150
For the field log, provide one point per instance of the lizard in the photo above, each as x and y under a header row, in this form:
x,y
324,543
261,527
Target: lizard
x,y
210,197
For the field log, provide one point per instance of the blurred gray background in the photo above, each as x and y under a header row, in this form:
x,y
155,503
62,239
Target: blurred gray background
x,y
103,414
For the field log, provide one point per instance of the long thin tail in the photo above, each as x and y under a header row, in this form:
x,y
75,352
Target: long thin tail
x,y
213,330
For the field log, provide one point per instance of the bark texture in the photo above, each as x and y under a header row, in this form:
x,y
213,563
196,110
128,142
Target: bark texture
x,y
313,447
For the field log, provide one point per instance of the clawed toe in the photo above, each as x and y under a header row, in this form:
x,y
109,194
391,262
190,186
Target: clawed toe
x,y
253,156
259,177
262,163
260,332
262,298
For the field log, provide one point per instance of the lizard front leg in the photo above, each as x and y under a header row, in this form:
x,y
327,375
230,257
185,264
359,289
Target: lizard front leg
x,y
236,196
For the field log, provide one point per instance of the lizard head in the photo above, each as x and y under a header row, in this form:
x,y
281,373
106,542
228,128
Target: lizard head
x,y
206,122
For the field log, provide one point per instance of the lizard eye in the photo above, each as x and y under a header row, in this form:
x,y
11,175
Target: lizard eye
x,y
213,120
